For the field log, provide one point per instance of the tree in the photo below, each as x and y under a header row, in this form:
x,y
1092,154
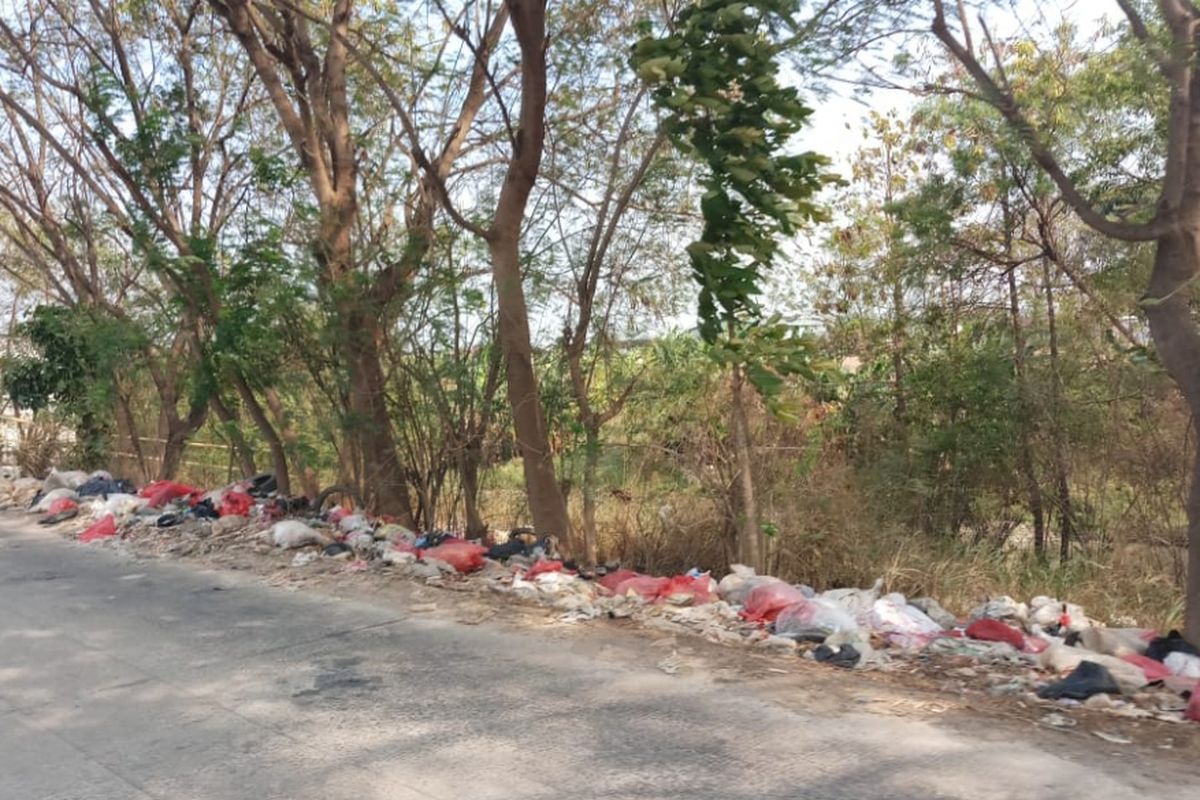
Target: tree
x,y
715,78
1172,224
311,94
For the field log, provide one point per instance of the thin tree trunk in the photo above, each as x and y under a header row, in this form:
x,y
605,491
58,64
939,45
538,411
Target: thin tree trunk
x,y
1025,461
591,465
901,407
546,504
468,472
1066,514
291,441
241,449
279,462
750,549
126,425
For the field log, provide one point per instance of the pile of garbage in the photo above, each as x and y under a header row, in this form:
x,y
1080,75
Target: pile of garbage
x,y
1047,649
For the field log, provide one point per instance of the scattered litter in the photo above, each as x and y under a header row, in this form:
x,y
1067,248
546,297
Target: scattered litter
x,y
1112,738
1011,650
1060,721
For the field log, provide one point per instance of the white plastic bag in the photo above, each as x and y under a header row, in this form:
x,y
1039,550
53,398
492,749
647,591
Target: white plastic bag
x,y
856,601
901,624
814,616
291,533
1184,665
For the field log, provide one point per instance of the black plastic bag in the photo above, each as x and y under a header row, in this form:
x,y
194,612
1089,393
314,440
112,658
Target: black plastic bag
x,y
1163,646
1087,679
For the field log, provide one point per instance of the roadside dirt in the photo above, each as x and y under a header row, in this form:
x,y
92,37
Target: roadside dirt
x,y
952,692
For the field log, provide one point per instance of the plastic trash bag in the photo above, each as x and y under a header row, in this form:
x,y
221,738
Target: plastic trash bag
x,y
993,630
100,529
1115,641
49,498
901,624
685,590
735,587
236,504
159,493
122,504
765,602
71,479
933,609
353,522
543,567
813,618
1173,642
646,587
62,504
846,656
1183,664
612,580
857,601
462,556
1154,671
1087,679
1060,658
392,532
291,533
1049,612
1002,608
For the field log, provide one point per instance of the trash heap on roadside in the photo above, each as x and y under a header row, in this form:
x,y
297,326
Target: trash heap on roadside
x,y
1046,650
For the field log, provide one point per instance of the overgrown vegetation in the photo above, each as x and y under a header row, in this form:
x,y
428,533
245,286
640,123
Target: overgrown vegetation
x,y
451,255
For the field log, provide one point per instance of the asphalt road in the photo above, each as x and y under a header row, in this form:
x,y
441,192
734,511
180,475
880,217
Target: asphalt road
x,y
124,679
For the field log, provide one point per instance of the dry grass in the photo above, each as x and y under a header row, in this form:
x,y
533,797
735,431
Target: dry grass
x,y
830,536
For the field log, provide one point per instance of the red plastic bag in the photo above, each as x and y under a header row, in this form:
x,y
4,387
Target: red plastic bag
x,y
160,493
646,587
101,529
236,504
765,602
542,567
60,505
1154,670
463,556
337,514
1193,709
686,590
612,580
993,630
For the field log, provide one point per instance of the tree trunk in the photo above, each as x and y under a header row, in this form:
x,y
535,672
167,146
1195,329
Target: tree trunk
x,y
750,549
901,402
591,465
241,449
546,504
1066,513
279,462
172,453
468,472
291,441
1025,461
127,427
1177,342
386,490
